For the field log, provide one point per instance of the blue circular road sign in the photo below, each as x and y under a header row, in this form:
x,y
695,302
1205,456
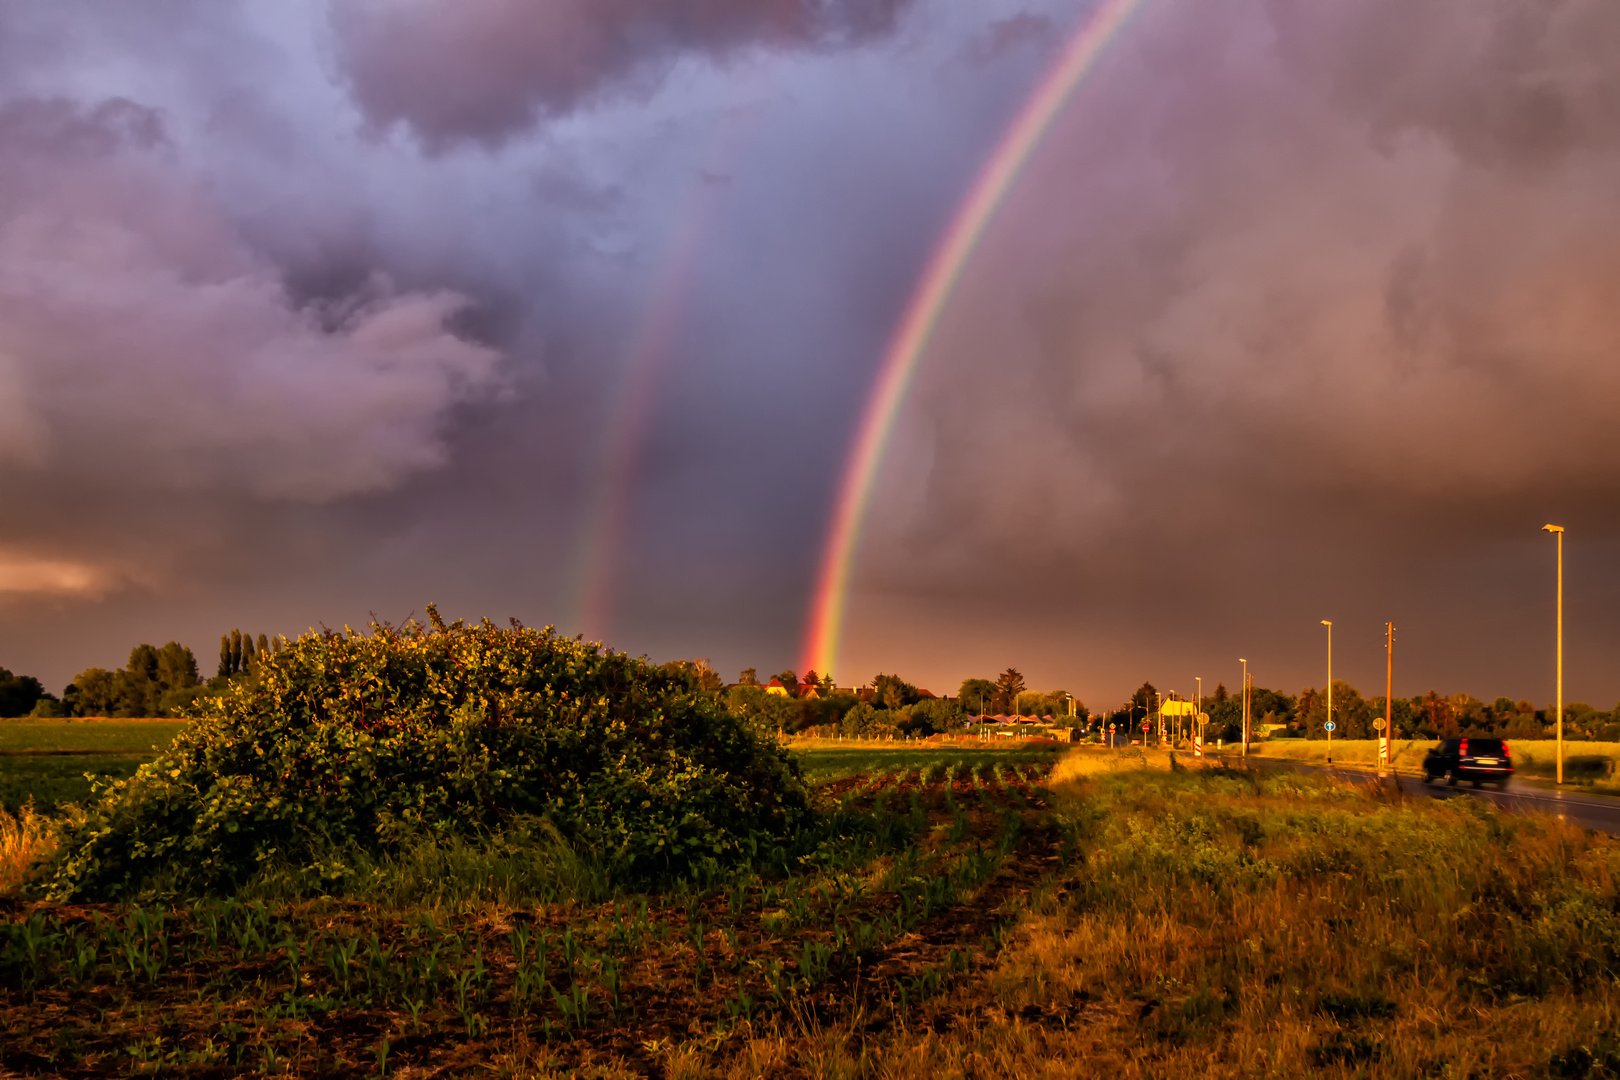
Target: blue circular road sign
x,y
1328,726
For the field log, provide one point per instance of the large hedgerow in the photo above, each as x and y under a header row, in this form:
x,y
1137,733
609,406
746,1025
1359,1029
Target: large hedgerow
x,y
356,742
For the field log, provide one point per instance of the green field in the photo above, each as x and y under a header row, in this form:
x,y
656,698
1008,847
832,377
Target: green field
x,y
46,760
823,762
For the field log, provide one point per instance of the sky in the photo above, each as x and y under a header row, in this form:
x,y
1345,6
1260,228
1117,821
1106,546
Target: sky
x,y
315,311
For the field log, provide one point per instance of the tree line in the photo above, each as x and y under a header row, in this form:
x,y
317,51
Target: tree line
x,y
887,706
1425,716
158,680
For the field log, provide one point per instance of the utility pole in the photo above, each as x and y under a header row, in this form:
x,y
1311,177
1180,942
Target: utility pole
x,y
1389,695
1249,732
1245,664
1558,707
1329,624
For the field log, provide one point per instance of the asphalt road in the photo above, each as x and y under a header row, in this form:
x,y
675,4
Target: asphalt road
x,y
1594,812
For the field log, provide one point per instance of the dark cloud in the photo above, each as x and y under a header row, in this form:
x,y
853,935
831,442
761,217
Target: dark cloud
x,y
486,69
148,353
1305,308
1024,30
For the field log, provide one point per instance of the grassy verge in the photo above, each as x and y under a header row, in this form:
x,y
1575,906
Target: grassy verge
x,y
1405,754
970,914
1590,764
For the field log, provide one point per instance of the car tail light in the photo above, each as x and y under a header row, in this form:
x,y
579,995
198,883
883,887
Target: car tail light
x,y
1506,752
1463,751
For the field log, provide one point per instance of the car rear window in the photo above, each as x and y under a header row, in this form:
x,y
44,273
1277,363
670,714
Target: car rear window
x,y
1484,747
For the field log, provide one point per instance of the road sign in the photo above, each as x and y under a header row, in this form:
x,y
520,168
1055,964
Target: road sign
x,y
1147,725
1328,726
1378,724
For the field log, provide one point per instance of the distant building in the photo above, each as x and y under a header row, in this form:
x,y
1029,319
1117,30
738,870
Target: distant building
x,y
775,687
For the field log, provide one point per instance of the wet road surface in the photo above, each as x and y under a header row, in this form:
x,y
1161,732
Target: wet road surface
x,y
1594,812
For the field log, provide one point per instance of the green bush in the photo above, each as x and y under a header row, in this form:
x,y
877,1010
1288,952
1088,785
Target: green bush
x,y
360,744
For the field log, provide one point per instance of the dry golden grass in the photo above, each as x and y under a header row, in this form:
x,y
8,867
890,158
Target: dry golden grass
x,y
1084,761
1232,924
25,838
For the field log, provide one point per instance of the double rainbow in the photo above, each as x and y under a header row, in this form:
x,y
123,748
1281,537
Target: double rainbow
x,y
922,315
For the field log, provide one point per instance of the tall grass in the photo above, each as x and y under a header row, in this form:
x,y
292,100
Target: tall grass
x,y
525,864
1583,761
1405,754
1236,923
26,838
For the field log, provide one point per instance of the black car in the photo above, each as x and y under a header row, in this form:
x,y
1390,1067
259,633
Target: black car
x,y
1478,760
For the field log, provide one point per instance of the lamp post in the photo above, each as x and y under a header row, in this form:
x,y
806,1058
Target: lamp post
x,y
1245,664
1198,711
1329,624
1558,706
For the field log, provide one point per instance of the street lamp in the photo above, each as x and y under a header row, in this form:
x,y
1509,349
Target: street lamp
x,y
1198,711
1558,707
1245,664
1329,624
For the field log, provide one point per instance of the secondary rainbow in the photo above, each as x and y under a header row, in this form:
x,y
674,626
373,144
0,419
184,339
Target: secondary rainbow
x,y
605,527
922,315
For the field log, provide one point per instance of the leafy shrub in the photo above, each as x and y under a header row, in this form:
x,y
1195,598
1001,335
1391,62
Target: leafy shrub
x,y
362,743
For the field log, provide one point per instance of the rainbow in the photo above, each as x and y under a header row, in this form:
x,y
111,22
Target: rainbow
x,y
605,525
922,315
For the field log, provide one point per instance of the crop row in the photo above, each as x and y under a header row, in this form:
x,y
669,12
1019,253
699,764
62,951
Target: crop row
x,y
750,944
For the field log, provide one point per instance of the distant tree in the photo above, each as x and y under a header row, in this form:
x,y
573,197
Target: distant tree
x,y
48,707
176,667
93,692
248,652
236,652
975,694
892,692
701,673
224,656
19,694
1220,694
155,682
749,677
709,680
1436,718
1009,684
824,683
264,645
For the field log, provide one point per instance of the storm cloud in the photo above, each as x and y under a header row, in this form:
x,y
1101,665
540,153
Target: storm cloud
x,y
1307,308
1300,311
485,69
